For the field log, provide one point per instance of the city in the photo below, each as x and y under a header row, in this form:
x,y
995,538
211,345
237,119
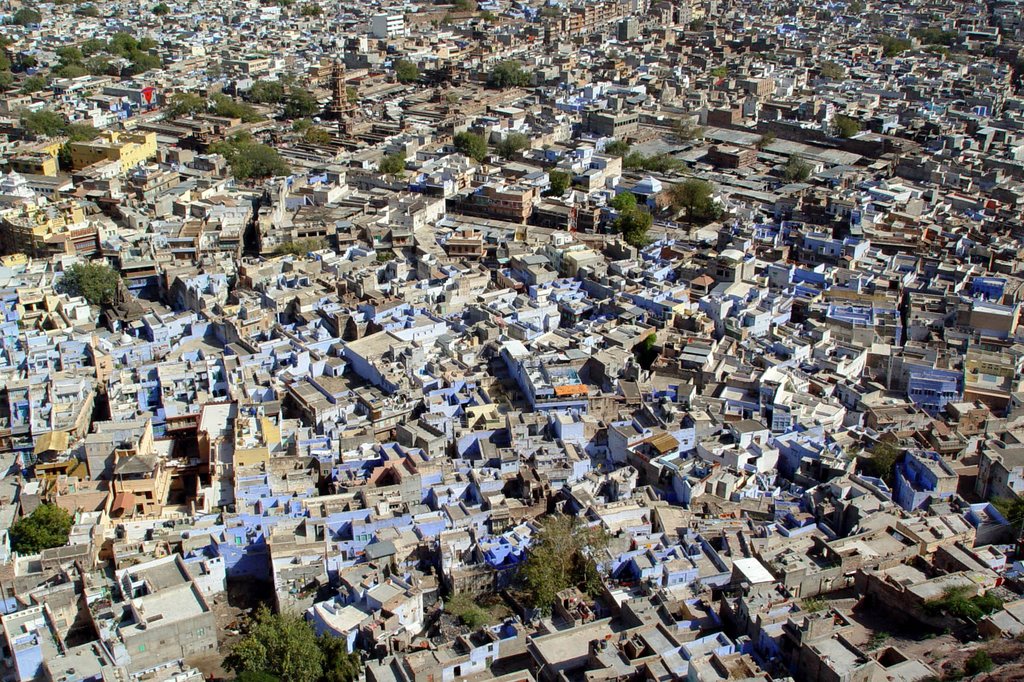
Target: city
x,y
530,341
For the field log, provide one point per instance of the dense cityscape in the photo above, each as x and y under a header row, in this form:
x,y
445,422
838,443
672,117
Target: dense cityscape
x,y
581,341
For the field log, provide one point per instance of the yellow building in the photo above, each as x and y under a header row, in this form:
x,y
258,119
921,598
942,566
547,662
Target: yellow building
x,y
39,159
43,231
128,149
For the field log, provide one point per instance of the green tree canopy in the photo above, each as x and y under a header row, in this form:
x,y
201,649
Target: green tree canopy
x,y
646,352
300,103
623,201
847,127
88,11
893,47
43,123
232,108
633,224
249,159
266,92
6,80
47,526
96,282
617,148
93,46
33,84
70,54
797,170
161,9
560,182
508,74
659,163
317,136
882,463
310,10
832,70
339,664
696,198
406,71
26,16
472,145
300,247
512,143
283,645
392,164
186,104
561,556
70,71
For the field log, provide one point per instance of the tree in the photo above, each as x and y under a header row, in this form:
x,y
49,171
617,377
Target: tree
x,y
513,143
856,7
310,10
88,11
26,16
617,148
161,9
765,140
317,136
250,159
392,164
508,74
1011,509
186,104
283,645
472,145
339,664
559,181
301,125
463,607
142,62
720,72
69,55
32,84
253,676
832,70
633,224
646,351
122,44
659,163
93,46
882,463
797,170
98,66
488,16
70,71
47,526
96,282
351,94
893,47
231,108
623,201
465,5
979,662
561,556
847,127
696,197
686,131
300,247
266,92
406,71
300,103
6,80
43,123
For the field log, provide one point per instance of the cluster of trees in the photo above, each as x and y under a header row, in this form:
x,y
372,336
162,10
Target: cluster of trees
x,y
832,70
298,102
300,247
508,74
406,71
472,145
632,222
136,51
559,181
46,527
284,648
27,16
161,9
797,170
47,123
96,282
562,556
696,198
934,36
892,46
659,163
392,164
250,159
846,127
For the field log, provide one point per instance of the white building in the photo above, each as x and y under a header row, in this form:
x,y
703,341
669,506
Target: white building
x,y
387,25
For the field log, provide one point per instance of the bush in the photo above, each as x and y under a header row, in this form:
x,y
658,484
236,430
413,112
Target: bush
x,y
979,662
465,609
46,527
310,10
797,170
617,148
